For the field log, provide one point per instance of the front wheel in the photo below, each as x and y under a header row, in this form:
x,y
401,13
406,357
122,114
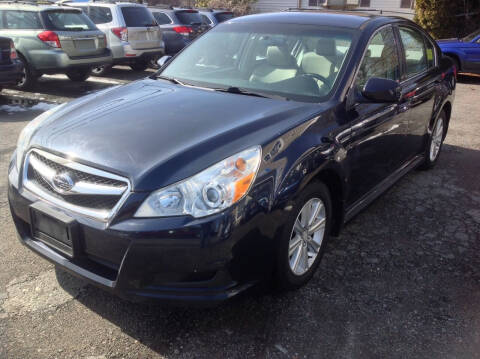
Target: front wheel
x,y
101,70
435,142
79,75
28,78
304,237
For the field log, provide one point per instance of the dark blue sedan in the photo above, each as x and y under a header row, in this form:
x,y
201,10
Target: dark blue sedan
x,y
237,160
11,69
465,52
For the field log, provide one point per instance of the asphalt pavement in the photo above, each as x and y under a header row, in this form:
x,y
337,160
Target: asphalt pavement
x,y
402,280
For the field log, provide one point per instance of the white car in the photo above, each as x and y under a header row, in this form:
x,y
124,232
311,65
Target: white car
x,y
133,35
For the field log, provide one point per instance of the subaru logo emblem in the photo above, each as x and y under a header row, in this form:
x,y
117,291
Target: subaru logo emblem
x,y
62,182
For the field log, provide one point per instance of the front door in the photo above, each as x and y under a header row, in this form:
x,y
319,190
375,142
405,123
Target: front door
x,y
377,129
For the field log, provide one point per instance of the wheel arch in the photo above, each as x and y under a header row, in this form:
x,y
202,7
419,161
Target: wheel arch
x,y
456,57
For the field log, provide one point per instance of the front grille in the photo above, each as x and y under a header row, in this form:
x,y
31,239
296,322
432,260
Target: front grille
x,y
39,168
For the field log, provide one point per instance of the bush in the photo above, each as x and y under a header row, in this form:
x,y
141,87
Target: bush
x,y
444,18
239,7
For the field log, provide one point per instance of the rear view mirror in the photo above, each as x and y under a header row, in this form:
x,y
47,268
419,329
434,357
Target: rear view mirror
x,y
381,90
163,60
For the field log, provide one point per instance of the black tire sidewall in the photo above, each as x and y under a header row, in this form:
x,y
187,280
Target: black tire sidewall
x,y
29,78
285,278
429,163
79,75
139,65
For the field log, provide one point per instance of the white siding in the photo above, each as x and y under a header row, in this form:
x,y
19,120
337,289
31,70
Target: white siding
x,y
393,6
274,5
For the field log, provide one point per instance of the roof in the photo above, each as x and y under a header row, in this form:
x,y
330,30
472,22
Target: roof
x,y
325,17
24,6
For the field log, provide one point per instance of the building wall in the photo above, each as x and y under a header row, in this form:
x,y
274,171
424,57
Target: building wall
x,y
390,7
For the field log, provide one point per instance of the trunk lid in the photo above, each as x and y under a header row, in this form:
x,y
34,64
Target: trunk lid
x,y
143,31
192,19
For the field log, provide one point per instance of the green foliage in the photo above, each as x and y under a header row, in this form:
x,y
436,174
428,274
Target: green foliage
x,y
446,18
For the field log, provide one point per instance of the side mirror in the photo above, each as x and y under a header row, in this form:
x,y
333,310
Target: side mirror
x,y
381,90
163,60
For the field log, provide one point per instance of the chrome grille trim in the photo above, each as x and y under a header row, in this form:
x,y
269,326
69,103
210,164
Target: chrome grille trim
x,y
101,185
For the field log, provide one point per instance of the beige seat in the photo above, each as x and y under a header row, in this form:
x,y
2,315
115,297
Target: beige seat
x,y
279,66
323,60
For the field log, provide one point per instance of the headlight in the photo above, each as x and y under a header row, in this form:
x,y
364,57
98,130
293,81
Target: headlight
x,y
208,192
28,131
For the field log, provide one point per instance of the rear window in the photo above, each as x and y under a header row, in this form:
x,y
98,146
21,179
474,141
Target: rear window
x,y
100,15
138,16
188,17
21,20
162,18
62,20
223,16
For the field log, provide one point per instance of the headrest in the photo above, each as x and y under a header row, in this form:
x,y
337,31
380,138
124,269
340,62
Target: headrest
x,y
279,57
326,47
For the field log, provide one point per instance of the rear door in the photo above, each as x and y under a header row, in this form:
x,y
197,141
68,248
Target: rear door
x,y
78,35
419,84
143,30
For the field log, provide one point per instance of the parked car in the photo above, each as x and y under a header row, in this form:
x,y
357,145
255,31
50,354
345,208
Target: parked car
x,y
53,39
11,68
179,26
213,17
237,160
133,34
465,52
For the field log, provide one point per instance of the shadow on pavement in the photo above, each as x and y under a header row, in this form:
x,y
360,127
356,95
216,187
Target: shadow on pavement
x,y
468,79
404,277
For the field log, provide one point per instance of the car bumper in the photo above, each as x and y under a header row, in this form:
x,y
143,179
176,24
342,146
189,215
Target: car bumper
x,y
57,61
124,53
10,74
176,260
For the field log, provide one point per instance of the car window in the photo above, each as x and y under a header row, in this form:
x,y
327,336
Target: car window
x,y
223,16
188,17
296,62
100,14
162,18
138,16
22,20
430,51
62,20
414,51
205,19
380,59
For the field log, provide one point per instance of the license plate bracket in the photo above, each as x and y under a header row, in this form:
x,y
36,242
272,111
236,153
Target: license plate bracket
x,y
54,228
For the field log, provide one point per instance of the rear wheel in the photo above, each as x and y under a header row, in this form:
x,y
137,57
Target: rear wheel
x,y
435,142
79,75
28,78
304,236
139,65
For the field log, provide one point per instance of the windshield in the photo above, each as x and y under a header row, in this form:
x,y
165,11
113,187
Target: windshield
x,y
223,16
138,16
62,20
470,37
299,62
188,17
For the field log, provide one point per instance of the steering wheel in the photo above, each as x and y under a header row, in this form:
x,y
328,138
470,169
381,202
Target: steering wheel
x,y
323,79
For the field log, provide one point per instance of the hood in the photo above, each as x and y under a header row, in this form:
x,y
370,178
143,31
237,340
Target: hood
x,y
156,133
452,43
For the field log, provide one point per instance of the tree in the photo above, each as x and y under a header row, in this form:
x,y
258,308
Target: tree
x,y
239,7
448,18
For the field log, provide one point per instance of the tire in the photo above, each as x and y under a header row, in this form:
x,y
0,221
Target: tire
x,y
435,142
153,63
101,70
139,65
291,273
79,75
28,79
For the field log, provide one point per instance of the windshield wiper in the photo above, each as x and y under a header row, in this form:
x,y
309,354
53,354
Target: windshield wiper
x,y
172,80
240,91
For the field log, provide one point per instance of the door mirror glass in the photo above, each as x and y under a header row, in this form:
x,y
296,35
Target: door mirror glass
x,y
381,90
163,60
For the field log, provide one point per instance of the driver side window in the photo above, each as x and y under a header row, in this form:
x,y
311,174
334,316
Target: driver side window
x,y
380,59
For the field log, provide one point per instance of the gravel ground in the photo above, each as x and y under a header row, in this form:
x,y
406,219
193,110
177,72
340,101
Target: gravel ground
x,y
403,279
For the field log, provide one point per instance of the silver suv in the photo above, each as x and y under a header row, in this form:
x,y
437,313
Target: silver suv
x,y
133,34
53,39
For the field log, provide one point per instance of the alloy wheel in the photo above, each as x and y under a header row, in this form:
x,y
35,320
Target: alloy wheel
x,y
437,138
307,236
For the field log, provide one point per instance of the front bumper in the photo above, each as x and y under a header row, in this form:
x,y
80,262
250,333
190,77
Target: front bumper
x,y
177,260
10,74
